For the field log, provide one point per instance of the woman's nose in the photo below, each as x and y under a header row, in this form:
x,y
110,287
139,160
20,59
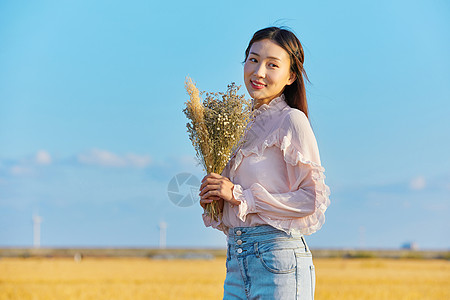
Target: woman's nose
x,y
260,71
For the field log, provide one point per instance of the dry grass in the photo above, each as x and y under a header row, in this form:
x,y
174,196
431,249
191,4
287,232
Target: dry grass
x,y
382,279
140,278
216,128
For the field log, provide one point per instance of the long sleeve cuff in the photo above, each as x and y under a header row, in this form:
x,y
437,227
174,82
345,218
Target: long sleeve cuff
x,y
247,204
209,221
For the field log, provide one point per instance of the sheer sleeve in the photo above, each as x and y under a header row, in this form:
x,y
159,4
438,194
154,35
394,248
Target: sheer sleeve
x,y
209,221
302,207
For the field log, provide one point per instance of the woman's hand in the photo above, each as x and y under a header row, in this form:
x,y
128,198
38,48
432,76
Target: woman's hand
x,y
216,187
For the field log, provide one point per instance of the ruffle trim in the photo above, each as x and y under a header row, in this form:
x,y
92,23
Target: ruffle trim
x,y
305,225
210,222
258,150
256,112
246,204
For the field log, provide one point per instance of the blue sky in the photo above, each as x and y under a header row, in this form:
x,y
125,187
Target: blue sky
x,y
92,128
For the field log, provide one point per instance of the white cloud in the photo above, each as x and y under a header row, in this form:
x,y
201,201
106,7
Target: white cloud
x,y
18,170
105,158
139,161
43,158
27,165
418,183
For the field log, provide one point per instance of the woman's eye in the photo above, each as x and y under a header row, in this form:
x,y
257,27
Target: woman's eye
x,y
273,65
252,59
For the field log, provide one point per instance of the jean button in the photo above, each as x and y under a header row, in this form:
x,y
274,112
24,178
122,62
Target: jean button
x,y
239,250
239,242
238,232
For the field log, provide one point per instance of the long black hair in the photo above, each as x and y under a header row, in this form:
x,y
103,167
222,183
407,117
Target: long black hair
x,y
295,93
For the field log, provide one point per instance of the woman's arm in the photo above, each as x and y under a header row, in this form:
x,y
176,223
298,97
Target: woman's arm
x,y
298,202
306,198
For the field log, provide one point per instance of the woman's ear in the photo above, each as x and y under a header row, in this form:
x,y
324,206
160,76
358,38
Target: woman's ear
x,y
292,78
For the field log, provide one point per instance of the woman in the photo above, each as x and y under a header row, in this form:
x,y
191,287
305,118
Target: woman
x,y
272,191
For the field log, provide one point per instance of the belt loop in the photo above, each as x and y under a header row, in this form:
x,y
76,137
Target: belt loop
x,y
304,243
255,246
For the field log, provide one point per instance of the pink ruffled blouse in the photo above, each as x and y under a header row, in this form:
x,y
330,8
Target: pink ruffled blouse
x,y
277,174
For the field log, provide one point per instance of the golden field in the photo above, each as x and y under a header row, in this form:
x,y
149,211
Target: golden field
x,y
143,278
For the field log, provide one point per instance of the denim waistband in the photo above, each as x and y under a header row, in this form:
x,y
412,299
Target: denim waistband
x,y
246,237
258,231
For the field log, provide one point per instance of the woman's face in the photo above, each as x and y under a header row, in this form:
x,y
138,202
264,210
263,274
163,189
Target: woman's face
x,y
267,71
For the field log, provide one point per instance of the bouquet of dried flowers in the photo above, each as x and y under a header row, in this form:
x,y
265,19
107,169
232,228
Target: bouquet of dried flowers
x,y
216,128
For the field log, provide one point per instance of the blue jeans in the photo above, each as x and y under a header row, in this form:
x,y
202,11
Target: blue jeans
x,y
266,263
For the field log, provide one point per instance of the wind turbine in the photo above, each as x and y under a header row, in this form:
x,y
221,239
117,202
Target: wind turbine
x,y
37,220
362,237
162,234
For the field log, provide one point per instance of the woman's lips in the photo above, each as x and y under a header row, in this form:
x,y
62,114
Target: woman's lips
x,y
256,85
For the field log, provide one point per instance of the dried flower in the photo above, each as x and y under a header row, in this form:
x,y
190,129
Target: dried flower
x,y
216,128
